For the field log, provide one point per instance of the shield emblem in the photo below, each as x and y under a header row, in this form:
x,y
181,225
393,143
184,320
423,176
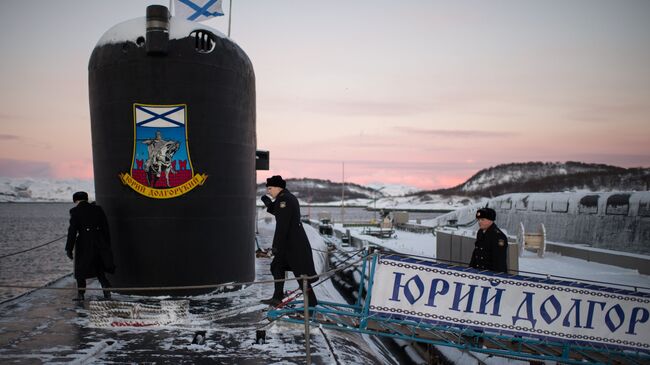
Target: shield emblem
x,y
161,166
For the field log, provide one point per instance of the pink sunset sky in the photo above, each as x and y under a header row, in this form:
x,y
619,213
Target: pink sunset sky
x,y
421,93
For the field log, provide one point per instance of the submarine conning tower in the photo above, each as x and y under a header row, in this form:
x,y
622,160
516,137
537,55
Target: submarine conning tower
x,y
172,107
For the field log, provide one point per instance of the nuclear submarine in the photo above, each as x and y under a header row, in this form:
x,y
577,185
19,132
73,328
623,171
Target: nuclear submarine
x,y
172,112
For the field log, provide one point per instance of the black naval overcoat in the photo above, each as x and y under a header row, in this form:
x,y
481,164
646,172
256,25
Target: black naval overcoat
x,y
490,250
88,235
290,244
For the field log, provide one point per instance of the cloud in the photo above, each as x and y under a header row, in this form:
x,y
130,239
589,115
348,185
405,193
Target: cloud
x,y
349,107
77,169
424,175
371,108
23,168
451,133
26,141
11,117
611,113
9,137
376,163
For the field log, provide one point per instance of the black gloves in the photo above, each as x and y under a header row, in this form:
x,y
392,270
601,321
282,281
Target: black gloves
x,y
69,253
266,200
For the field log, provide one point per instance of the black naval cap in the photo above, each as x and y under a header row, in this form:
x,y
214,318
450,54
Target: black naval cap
x,y
487,213
276,180
79,196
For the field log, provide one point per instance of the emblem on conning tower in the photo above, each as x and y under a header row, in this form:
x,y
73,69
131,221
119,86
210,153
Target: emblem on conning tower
x,y
161,167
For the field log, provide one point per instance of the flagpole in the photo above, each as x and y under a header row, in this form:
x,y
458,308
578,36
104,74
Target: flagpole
x,y
229,17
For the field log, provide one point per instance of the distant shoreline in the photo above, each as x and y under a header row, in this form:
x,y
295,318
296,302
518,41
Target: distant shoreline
x,y
392,209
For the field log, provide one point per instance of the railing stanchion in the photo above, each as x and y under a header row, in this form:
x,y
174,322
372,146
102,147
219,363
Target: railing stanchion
x,y
305,296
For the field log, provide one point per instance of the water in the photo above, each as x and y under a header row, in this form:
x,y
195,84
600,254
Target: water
x,y
26,225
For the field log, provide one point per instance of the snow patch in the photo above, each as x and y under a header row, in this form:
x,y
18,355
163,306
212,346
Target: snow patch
x,y
130,30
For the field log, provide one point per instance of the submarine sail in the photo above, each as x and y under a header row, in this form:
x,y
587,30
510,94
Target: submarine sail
x,y
172,107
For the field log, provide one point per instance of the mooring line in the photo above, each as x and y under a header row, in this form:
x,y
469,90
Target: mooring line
x,y
33,248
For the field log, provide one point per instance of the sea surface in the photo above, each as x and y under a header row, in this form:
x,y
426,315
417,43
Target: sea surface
x,y
27,225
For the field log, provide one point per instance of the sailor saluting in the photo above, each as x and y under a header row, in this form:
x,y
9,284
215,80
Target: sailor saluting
x,y
491,246
291,248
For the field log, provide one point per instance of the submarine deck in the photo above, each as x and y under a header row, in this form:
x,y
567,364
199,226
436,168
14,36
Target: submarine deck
x,y
47,326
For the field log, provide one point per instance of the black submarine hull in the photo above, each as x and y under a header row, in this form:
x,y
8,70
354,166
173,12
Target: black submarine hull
x,y
188,219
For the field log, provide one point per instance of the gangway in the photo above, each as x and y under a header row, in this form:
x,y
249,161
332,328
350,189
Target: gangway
x,y
408,322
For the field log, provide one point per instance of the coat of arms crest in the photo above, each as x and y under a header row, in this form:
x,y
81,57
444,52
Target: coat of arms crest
x,y
161,166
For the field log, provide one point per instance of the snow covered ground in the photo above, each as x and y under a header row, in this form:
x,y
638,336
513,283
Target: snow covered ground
x,y
45,326
551,264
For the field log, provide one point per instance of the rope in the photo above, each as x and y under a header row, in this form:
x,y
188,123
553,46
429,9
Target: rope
x,y
33,248
329,345
317,250
207,286
331,273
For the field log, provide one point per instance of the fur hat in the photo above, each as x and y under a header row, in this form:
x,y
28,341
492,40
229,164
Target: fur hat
x,y
276,180
487,213
79,196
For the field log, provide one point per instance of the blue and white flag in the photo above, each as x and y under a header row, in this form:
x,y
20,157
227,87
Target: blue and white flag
x,y
197,10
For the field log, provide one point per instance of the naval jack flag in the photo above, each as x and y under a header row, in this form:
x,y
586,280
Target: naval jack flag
x,y
197,10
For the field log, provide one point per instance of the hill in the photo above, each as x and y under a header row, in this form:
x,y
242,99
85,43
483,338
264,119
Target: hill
x,y
325,191
549,177
490,182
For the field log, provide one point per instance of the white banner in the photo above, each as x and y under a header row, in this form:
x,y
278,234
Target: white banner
x,y
515,305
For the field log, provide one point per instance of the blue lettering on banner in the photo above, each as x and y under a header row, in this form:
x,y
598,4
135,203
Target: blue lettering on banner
x,y
555,304
407,292
634,320
590,312
619,313
433,291
496,306
457,298
575,308
536,309
528,302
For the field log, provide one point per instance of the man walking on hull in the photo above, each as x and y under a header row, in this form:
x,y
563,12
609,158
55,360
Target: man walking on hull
x,y
88,236
291,248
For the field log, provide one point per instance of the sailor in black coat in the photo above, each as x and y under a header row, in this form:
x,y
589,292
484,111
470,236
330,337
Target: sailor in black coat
x,y
491,246
291,248
88,236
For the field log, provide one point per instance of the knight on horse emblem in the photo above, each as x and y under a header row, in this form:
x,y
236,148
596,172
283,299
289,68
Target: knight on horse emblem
x,y
161,165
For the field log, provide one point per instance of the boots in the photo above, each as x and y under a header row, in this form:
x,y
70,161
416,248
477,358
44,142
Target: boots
x,y
274,302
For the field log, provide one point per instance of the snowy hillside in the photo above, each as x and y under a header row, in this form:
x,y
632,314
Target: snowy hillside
x,y
490,182
550,176
393,189
308,191
326,191
42,190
